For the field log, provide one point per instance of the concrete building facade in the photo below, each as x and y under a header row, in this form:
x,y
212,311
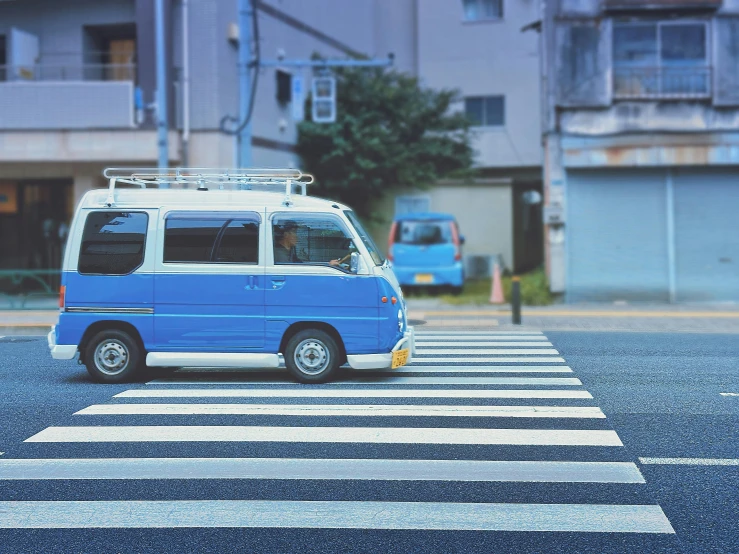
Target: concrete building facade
x,y
642,149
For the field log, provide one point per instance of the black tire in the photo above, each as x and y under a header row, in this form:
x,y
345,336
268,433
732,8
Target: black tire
x,y
113,356
312,356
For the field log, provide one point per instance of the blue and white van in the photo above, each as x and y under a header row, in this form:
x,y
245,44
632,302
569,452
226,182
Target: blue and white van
x,y
241,271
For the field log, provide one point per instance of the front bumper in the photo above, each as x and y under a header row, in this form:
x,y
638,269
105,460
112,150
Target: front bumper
x,y
385,360
60,351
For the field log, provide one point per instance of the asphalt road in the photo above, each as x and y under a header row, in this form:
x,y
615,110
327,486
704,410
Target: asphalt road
x,y
660,393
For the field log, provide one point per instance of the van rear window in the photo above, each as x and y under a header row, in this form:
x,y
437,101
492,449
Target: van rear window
x,y
113,243
423,232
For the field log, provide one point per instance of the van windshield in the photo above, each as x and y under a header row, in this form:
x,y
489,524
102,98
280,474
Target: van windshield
x,y
366,239
423,232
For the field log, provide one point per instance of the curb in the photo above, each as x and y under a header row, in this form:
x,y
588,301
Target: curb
x,y
24,329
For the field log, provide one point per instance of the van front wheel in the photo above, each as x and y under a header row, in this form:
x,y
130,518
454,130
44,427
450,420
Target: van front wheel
x,y
312,356
113,357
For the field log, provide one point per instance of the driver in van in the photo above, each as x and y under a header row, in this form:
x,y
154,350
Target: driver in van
x,y
285,247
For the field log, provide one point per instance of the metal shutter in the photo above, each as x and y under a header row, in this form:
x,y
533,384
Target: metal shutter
x,y
617,236
707,234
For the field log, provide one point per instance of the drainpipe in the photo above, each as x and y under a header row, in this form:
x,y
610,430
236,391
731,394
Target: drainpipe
x,y
185,83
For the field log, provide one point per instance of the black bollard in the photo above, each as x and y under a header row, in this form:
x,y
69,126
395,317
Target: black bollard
x,y
516,300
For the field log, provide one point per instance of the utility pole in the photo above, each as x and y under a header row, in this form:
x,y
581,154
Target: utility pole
x,y
244,141
161,91
245,63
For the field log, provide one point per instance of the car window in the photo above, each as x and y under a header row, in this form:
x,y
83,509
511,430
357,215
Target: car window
x,y
310,239
113,243
211,238
423,232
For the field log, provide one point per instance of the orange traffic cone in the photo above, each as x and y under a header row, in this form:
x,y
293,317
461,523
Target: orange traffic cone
x,y
496,294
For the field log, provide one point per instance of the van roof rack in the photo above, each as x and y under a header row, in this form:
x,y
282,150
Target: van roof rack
x,y
202,177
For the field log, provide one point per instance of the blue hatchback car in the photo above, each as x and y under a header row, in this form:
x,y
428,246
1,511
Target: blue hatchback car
x,y
426,250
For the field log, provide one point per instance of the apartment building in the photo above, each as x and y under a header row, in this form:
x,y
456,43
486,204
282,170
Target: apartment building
x,y
642,149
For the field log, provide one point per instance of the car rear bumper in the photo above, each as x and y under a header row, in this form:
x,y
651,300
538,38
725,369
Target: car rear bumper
x,y
60,351
384,360
428,276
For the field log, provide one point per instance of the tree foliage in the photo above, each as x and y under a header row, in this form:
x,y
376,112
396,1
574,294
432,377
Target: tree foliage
x,y
390,132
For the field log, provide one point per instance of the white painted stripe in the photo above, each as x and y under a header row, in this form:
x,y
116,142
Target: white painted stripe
x,y
489,351
308,468
501,359
383,380
482,369
467,344
404,410
729,393
420,332
384,435
691,461
481,338
74,514
350,393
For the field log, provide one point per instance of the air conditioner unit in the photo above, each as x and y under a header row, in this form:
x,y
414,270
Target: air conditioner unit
x,y
481,267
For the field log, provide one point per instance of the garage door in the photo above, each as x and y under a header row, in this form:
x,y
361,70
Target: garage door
x,y
706,235
617,236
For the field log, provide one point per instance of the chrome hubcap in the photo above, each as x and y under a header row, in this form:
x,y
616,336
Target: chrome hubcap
x,y
312,356
111,357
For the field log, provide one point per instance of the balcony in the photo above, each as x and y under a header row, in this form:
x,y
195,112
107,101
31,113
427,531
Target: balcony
x,y
662,83
73,96
657,5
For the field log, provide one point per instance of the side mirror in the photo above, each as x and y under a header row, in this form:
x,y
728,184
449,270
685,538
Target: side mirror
x,y
354,262
461,239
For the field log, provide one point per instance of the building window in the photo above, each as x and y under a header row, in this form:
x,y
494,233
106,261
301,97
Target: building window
x,y
485,111
661,60
202,239
482,10
113,243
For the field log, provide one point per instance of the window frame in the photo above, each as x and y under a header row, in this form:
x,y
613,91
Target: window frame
x,y
484,124
226,218
143,248
483,18
660,64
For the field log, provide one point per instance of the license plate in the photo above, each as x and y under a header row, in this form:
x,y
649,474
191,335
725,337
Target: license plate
x,y
400,358
424,278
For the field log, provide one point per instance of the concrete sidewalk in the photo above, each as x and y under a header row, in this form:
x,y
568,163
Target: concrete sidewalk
x,y
719,318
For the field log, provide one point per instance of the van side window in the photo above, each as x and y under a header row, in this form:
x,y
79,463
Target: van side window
x,y
197,238
308,239
113,243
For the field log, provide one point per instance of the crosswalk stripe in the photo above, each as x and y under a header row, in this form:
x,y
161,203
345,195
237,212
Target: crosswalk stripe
x,y
403,410
351,393
405,381
489,359
483,369
419,333
489,351
389,435
691,461
467,344
310,468
333,514
481,338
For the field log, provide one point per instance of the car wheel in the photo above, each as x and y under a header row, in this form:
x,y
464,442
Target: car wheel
x,y
113,356
312,356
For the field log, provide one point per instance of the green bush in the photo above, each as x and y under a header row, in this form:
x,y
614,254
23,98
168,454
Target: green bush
x,y
534,291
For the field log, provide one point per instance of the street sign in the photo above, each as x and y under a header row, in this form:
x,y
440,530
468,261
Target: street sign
x,y
324,100
297,99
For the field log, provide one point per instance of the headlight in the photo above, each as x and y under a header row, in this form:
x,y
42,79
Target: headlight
x,y
400,320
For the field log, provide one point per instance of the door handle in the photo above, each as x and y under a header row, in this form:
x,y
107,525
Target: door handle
x,y
278,282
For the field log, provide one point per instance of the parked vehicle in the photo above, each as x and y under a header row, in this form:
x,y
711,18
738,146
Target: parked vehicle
x,y
426,249
224,277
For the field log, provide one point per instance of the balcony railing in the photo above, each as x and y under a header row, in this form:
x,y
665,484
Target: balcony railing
x,y
69,72
662,83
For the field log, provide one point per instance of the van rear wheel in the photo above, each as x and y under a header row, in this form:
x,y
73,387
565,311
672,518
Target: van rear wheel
x,y
312,356
113,356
